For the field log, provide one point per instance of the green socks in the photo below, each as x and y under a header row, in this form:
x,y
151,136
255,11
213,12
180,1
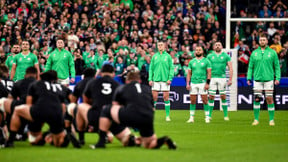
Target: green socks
x,y
167,108
211,107
225,108
206,110
155,102
271,111
256,108
192,109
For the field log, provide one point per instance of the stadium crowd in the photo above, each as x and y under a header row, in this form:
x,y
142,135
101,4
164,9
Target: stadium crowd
x,y
124,32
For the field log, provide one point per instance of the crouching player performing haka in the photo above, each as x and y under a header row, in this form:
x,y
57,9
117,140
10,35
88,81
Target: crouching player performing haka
x,y
132,106
199,71
43,104
263,65
99,92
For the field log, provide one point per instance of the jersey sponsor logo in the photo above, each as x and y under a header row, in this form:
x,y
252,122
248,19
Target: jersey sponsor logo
x,y
255,53
212,57
28,59
202,64
156,58
194,64
20,59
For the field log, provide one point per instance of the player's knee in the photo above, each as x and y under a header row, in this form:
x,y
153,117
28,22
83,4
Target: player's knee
x,y
223,97
106,112
257,97
211,96
70,109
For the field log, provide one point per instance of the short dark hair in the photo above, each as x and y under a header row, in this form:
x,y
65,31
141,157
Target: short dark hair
x,y
49,76
107,68
89,72
133,76
31,70
263,35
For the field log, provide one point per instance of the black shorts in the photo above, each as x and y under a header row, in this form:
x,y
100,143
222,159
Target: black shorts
x,y
93,116
15,103
51,114
143,122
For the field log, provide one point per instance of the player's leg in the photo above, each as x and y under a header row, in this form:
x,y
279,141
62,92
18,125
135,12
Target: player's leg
x,y
204,96
155,97
82,120
108,114
167,105
165,88
35,135
20,111
222,90
155,90
124,135
258,87
153,142
212,93
193,98
269,87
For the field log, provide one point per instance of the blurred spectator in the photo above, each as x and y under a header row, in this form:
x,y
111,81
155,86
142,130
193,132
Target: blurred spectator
x,y
283,62
78,62
243,60
124,27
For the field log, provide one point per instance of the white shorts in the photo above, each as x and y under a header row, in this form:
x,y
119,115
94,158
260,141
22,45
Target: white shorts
x,y
217,84
160,86
63,81
198,89
263,85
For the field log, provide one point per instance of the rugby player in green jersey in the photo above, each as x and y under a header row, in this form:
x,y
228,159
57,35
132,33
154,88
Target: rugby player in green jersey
x,y
219,60
197,82
263,66
161,73
22,61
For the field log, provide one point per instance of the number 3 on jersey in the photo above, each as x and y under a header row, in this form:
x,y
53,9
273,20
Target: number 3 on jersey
x,y
106,88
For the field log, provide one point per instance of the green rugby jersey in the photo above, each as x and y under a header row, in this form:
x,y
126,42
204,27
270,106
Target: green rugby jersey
x,y
218,64
22,63
161,68
263,65
199,70
62,62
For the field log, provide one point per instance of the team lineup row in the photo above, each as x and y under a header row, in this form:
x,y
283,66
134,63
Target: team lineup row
x,y
209,74
131,102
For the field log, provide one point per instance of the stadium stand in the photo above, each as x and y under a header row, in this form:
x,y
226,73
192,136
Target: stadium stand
x,y
123,27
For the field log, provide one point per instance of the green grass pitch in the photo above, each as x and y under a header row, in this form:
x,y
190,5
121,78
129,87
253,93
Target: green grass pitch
x,y
235,140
